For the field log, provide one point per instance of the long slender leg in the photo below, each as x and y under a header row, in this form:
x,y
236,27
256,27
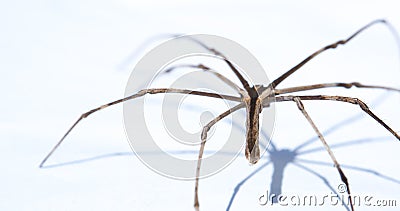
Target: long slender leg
x,y
217,53
351,100
277,81
139,94
208,69
328,85
203,143
321,137
250,89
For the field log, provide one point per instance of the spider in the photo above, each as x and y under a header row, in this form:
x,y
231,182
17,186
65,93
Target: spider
x,y
254,98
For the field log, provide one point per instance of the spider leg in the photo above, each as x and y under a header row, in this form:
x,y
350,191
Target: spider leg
x,y
351,100
210,70
328,85
247,87
203,143
332,46
321,137
139,94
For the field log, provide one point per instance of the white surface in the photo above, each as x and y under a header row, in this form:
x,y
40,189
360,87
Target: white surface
x,y
60,59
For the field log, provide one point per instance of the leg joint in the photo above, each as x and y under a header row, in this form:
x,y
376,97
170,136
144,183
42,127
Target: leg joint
x,y
362,105
299,103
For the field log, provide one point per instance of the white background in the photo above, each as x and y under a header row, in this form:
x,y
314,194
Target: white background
x,y
59,59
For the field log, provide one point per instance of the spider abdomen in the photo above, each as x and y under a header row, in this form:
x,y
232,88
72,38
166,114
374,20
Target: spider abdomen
x,y
253,109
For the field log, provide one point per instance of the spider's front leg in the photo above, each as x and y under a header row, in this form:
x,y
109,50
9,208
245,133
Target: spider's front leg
x,y
281,78
201,151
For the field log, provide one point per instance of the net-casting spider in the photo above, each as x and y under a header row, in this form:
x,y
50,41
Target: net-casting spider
x,y
256,97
